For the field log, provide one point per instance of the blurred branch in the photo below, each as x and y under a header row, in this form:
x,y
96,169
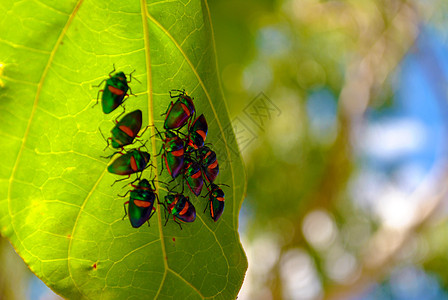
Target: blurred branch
x,y
380,52
382,249
373,68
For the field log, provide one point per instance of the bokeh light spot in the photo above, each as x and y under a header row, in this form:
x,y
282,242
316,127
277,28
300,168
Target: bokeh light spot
x,y
319,229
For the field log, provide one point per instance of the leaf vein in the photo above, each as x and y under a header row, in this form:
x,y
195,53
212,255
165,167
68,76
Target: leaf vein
x,y
207,95
188,283
33,111
144,11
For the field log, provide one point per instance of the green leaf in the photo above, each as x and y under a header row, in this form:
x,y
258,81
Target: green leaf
x,y
57,206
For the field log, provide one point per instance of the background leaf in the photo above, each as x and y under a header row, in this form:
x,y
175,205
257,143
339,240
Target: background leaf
x,y
57,206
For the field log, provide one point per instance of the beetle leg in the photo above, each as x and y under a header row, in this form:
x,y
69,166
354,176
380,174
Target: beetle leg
x,y
99,83
219,184
166,220
121,179
158,133
160,151
124,194
162,203
131,92
183,185
171,180
179,128
182,92
106,140
142,132
144,145
159,181
110,156
162,164
116,119
130,76
125,211
176,96
207,193
97,98
169,106
141,142
179,132
171,190
150,216
206,185
178,223
147,166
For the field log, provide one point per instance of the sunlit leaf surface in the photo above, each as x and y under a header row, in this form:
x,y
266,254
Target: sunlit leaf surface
x,y
57,205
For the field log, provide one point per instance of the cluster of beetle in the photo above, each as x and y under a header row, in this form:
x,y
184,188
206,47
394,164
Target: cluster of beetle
x,y
183,154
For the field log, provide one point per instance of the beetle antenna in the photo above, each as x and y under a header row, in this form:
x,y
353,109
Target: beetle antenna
x,y
112,70
182,92
130,77
110,156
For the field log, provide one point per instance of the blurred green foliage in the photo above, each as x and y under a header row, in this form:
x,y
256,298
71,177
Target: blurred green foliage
x,y
292,50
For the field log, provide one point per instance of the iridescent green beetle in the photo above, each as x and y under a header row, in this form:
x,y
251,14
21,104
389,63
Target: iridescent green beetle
x,y
141,203
114,91
209,163
130,163
179,112
193,175
126,130
216,201
172,152
197,134
180,207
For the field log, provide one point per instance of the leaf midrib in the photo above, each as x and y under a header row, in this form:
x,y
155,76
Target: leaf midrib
x,y
144,13
201,83
145,16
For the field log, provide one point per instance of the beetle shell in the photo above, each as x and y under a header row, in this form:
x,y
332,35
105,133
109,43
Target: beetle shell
x,y
198,133
181,207
174,154
125,131
141,203
216,199
193,175
129,163
114,92
179,112
209,163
